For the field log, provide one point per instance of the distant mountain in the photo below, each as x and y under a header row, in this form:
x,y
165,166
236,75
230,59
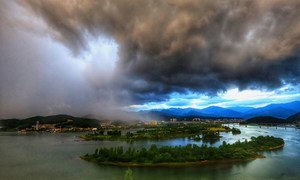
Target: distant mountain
x,y
276,110
212,111
241,109
220,112
176,111
283,110
270,110
266,119
295,106
173,112
294,118
195,112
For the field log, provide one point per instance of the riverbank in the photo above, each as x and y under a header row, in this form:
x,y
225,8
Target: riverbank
x,y
175,164
89,137
276,147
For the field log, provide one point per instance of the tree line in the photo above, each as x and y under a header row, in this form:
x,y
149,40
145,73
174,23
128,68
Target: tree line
x,y
189,153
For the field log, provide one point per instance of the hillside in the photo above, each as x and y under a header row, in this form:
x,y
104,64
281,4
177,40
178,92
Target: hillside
x,y
266,119
58,120
221,112
270,110
294,118
241,109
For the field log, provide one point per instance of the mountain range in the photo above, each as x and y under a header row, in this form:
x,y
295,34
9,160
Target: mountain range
x,y
283,110
273,120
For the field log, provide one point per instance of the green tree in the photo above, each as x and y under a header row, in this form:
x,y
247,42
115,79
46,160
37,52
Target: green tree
x,y
128,175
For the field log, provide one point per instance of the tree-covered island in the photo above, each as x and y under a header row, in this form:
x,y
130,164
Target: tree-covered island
x,y
235,131
197,131
185,155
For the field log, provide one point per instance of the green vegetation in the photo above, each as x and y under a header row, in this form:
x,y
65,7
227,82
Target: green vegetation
x,y
208,136
184,154
167,131
128,174
235,131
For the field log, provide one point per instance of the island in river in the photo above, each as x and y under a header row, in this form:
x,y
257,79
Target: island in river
x,y
206,131
185,155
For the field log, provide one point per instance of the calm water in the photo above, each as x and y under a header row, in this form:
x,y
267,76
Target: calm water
x,y
56,156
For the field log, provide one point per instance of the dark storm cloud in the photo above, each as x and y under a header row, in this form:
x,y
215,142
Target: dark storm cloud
x,y
203,46
164,46
37,76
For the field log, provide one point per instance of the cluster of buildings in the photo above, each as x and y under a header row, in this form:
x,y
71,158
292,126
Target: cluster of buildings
x,y
219,120
52,128
173,120
110,125
152,123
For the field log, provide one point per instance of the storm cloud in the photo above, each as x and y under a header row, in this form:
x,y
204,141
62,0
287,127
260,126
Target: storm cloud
x,y
204,46
167,46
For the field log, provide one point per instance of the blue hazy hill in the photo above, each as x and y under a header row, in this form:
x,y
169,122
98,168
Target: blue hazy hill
x,y
283,110
220,112
270,110
241,109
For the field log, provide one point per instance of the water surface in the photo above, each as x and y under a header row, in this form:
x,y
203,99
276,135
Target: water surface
x,y
56,156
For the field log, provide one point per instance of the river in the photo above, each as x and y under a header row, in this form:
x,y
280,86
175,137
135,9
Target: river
x,y
56,156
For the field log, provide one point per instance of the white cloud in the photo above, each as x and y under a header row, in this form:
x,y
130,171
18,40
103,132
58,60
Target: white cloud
x,y
235,94
230,98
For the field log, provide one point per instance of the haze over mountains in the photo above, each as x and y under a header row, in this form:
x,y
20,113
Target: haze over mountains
x,y
273,113
276,110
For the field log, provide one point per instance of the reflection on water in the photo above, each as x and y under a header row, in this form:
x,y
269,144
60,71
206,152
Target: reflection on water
x,y
56,156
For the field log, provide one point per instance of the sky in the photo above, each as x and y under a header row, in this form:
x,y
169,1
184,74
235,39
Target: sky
x,y
95,57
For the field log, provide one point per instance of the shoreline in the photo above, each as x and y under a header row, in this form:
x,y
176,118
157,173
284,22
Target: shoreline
x,y
124,138
139,139
176,164
279,125
128,139
183,164
276,147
